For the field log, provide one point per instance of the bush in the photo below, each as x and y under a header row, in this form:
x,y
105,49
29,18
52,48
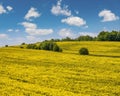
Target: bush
x,y
31,46
56,48
23,43
21,47
6,45
84,51
46,45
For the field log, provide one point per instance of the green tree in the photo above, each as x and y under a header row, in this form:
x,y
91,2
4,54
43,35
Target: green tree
x,y
6,45
67,39
47,45
83,51
23,43
103,36
31,46
85,38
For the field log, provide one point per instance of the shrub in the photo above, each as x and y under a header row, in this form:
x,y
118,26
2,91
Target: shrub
x,y
31,46
21,47
23,43
6,45
46,45
84,51
56,48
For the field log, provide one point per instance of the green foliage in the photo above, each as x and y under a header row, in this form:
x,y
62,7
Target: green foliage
x,y
83,51
31,46
85,38
109,36
46,45
102,36
6,45
56,48
67,39
23,43
21,47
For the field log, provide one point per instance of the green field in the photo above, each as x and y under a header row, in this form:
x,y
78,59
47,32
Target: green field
x,y
27,72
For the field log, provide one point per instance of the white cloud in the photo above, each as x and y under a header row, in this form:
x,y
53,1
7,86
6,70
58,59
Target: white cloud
x,y
32,29
58,10
3,36
74,21
9,8
88,33
12,30
2,9
32,13
66,33
108,15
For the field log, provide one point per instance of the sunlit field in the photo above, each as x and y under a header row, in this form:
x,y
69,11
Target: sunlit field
x,y
27,72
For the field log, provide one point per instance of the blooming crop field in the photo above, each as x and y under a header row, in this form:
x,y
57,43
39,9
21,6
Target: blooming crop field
x,y
27,72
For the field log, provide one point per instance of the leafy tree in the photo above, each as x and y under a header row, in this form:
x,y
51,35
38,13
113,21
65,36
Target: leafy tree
x,y
21,47
118,36
23,43
56,48
109,36
84,51
103,36
31,46
85,38
44,45
52,46
113,36
6,45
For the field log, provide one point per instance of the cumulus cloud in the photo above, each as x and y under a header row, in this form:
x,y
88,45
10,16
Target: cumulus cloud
x,y
32,13
3,36
108,15
74,21
58,10
66,33
32,29
2,10
9,8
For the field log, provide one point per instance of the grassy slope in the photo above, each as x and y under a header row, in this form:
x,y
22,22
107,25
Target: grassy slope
x,y
26,72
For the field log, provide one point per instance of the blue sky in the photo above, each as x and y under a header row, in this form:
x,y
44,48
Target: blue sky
x,y
36,20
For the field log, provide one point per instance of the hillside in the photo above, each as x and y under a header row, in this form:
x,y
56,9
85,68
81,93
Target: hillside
x,y
27,72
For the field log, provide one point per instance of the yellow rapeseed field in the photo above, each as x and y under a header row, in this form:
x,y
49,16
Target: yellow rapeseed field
x,y
27,72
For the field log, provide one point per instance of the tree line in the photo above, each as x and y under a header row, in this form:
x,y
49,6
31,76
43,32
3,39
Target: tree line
x,y
102,36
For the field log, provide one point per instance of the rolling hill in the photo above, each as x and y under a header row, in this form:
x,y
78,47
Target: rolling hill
x,y
27,72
